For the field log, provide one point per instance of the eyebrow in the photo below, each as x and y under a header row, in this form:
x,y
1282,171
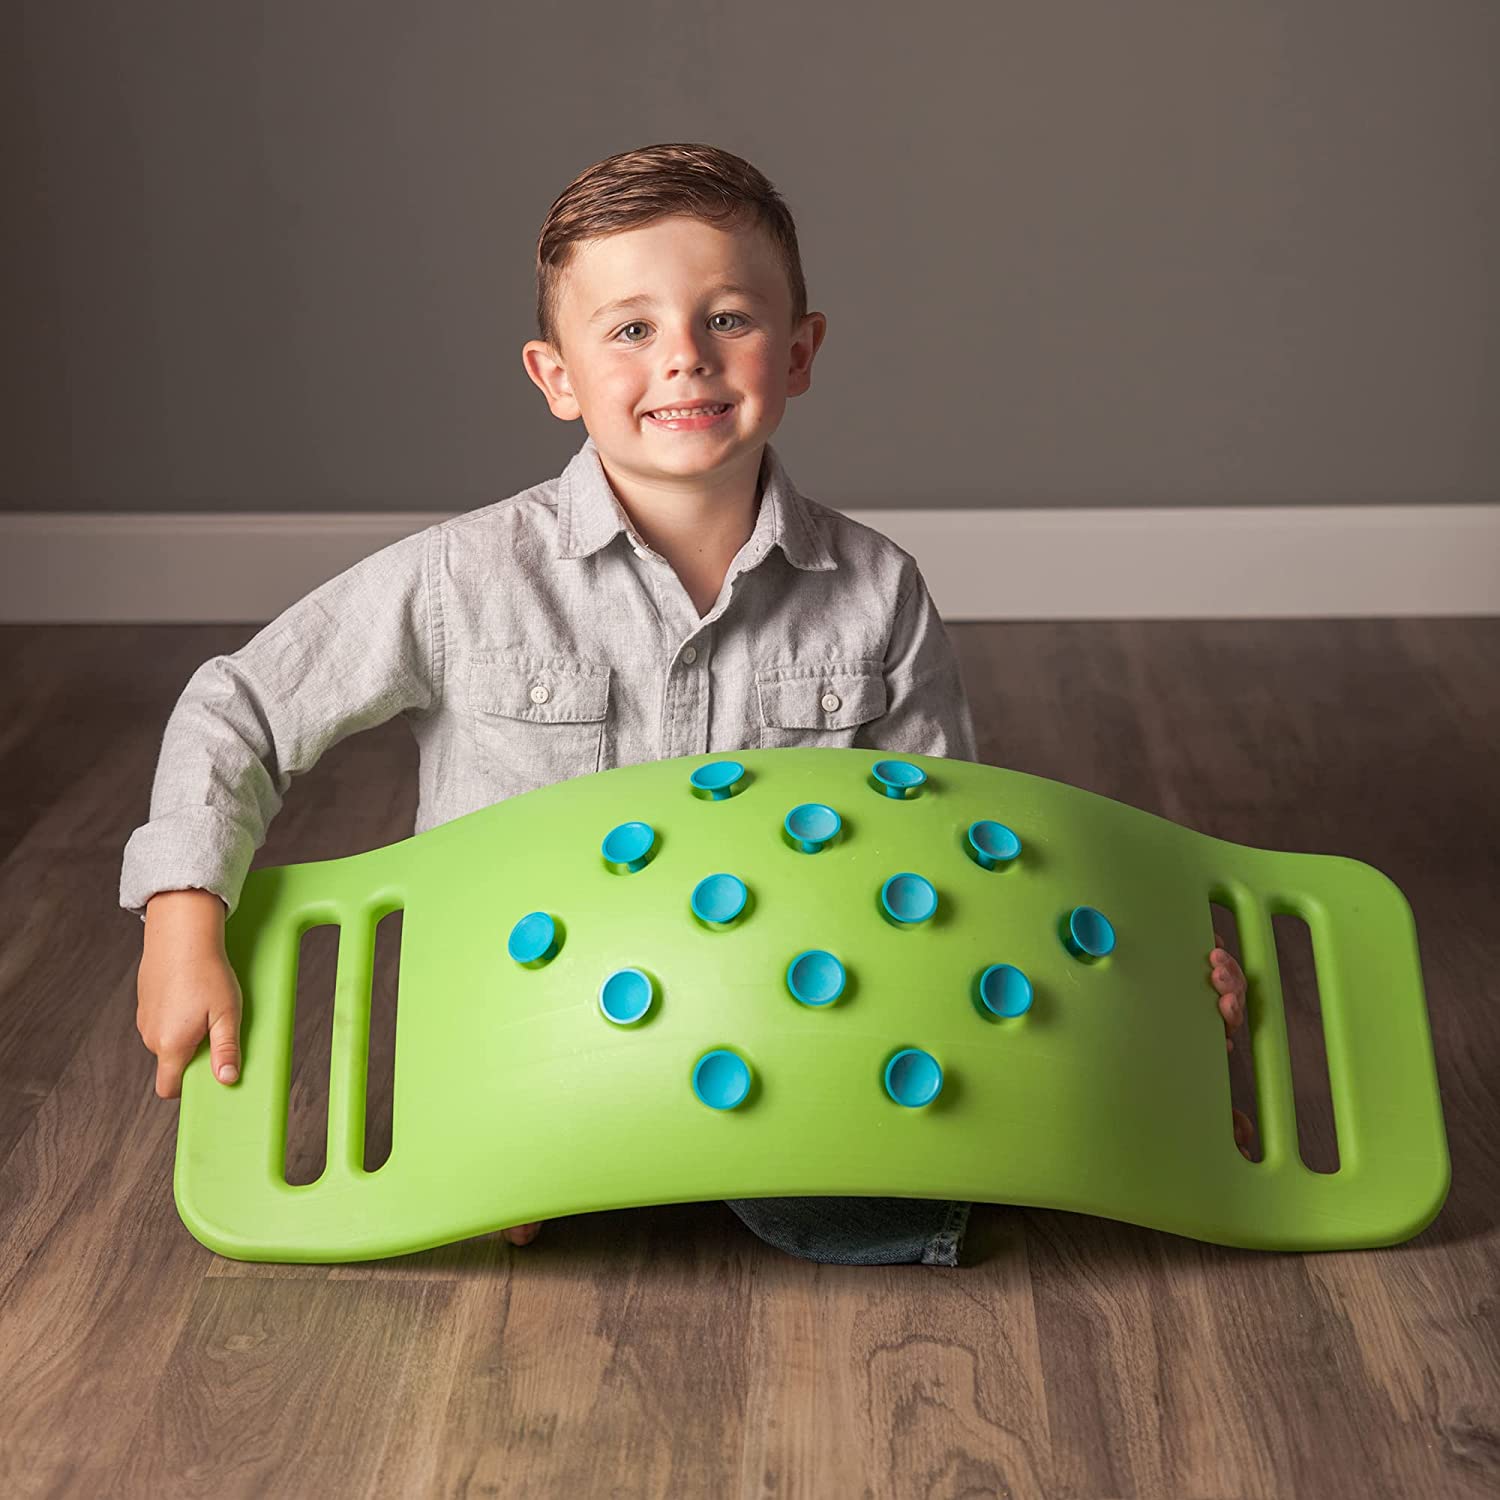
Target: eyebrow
x,y
640,299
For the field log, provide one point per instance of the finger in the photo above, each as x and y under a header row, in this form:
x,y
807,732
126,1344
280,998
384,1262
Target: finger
x,y
224,1045
169,1076
1230,986
1222,958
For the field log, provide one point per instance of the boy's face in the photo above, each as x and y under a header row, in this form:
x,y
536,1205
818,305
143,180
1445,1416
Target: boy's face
x,y
687,340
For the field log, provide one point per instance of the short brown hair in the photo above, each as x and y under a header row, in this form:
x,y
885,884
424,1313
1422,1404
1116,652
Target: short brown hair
x,y
633,188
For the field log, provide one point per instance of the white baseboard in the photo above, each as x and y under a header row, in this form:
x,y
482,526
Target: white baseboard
x,y
1219,562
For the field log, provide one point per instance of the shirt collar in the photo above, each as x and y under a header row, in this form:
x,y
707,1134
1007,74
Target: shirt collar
x,y
589,513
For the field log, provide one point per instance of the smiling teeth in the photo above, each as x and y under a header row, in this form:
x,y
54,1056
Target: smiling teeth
x,y
668,413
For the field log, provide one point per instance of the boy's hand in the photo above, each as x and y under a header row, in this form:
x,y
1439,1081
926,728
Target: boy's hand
x,y
186,989
1228,980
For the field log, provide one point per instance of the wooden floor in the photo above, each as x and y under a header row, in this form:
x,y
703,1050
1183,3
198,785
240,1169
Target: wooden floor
x,y
667,1351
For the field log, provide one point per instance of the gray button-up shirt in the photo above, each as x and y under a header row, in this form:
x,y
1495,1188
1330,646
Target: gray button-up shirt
x,y
539,638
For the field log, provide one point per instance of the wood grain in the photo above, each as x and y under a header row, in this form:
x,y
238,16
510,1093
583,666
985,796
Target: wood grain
x,y
667,1351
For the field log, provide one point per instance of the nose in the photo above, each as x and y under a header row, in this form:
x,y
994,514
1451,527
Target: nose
x,y
686,352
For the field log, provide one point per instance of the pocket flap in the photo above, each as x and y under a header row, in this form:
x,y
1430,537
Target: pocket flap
x,y
794,697
570,689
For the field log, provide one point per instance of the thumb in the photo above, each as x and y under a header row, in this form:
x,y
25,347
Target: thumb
x,y
224,1045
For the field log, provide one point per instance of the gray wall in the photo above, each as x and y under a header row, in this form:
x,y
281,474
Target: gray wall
x,y
278,256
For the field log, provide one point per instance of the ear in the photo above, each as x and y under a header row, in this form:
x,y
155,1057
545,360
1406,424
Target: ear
x,y
547,371
804,346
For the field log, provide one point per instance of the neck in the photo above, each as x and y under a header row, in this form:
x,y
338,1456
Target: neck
x,y
700,521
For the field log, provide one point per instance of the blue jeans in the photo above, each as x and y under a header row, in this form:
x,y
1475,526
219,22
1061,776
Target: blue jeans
x,y
859,1231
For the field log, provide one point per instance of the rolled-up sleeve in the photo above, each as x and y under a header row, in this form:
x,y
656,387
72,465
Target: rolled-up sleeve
x,y
927,709
355,652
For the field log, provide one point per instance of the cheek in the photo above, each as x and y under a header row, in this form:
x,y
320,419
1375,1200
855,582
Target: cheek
x,y
756,369
618,385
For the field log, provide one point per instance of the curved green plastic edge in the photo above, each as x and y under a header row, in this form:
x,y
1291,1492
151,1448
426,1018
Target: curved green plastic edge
x,y
515,1098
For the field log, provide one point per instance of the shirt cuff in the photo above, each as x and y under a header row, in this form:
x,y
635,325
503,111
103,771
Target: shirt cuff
x,y
192,848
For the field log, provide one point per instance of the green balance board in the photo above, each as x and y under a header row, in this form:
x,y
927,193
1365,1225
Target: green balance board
x,y
816,972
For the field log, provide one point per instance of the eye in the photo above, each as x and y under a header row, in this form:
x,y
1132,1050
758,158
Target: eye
x,y
638,324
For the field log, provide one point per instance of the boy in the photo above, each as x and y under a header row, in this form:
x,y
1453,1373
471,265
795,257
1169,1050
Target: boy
x,y
670,593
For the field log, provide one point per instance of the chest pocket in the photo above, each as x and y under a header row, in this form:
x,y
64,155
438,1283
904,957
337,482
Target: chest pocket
x,y
813,706
537,719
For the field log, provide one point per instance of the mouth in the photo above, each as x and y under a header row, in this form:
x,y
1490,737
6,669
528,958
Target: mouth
x,y
691,418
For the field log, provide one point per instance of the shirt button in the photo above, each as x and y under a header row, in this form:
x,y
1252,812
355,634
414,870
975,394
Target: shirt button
x,y
690,654
539,694
830,702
